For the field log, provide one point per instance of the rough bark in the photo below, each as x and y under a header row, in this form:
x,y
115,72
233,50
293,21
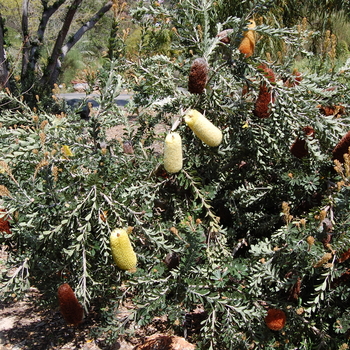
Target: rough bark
x,y
48,11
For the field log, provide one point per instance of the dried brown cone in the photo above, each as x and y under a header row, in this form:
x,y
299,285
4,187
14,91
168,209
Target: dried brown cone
x,y
332,110
299,147
70,308
4,223
275,319
198,76
262,104
341,148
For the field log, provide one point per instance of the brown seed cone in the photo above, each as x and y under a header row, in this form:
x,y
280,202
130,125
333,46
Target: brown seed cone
x,y
275,319
332,110
198,76
70,308
299,147
4,223
261,107
342,147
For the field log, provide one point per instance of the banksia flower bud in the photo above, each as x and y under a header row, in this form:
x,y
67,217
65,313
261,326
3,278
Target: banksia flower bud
x,y
247,45
204,129
299,147
173,153
275,319
122,251
198,76
323,260
70,308
310,240
341,148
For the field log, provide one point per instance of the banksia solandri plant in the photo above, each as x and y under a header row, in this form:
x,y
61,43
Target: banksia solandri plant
x,y
299,147
122,250
275,319
341,148
4,223
70,308
198,76
173,153
203,128
247,44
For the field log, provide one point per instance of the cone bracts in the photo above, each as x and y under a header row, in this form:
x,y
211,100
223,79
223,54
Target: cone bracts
x,y
70,308
299,147
247,45
265,97
203,128
173,153
275,319
342,147
198,76
122,251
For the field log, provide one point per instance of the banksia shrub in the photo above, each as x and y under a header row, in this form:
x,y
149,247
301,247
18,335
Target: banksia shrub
x,y
203,128
275,319
173,153
70,308
122,250
4,223
247,44
198,76
341,148
299,147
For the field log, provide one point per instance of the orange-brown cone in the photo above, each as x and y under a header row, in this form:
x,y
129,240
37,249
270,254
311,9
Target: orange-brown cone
x,y
275,319
70,308
299,147
342,147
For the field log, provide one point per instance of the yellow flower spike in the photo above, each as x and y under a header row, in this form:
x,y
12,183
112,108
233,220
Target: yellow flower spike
x,y
203,128
173,153
122,250
67,151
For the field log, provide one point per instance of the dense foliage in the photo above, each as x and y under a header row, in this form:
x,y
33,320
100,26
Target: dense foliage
x,y
249,226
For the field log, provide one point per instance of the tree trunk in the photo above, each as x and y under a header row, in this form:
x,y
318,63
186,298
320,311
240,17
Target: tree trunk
x,y
75,38
85,27
26,40
38,43
4,74
50,75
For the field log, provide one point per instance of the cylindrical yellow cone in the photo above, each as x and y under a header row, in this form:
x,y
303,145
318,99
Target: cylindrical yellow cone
x,y
122,251
173,153
203,128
